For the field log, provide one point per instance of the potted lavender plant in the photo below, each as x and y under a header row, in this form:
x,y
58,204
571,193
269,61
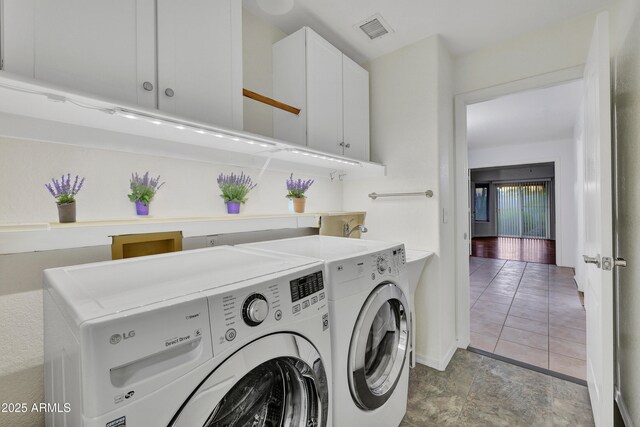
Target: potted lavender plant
x,y
296,190
234,190
143,189
65,195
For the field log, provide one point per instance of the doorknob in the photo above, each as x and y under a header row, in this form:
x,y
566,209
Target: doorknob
x,y
592,260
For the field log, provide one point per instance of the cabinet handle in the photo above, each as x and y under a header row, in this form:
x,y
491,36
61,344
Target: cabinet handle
x,y
347,146
148,86
341,144
169,92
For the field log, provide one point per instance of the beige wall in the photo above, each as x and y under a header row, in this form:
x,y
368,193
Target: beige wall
x,y
190,188
257,38
550,49
411,133
21,370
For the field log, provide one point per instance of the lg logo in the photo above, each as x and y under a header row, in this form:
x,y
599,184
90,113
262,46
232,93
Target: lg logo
x,y
116,338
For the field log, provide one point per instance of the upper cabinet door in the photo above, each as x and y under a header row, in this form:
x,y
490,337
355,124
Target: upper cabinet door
x,y
355,100
200,60
16,33
324,95
100,47
290,87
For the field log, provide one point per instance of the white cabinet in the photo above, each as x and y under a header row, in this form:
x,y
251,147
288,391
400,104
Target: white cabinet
x,y
200,60
324,95
16,36
97,47
355,106
331,90
160,54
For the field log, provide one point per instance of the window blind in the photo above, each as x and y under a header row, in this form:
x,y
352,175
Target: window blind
x,y
523,209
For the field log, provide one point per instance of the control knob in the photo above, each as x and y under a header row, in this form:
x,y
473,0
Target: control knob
x,y
255,309
382,264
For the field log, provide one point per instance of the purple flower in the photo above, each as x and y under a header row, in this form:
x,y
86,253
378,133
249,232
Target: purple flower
x,y
297,188
235,187
63,190
143,188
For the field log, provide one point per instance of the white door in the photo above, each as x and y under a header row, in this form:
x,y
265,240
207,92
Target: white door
x,y
97,47
324,95
598,233
200,60
355,101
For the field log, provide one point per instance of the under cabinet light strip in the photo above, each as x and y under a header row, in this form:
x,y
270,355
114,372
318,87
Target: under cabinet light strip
x,y
323,156
177,124
183,125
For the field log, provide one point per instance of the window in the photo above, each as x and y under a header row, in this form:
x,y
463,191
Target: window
x,y
481,202
524,209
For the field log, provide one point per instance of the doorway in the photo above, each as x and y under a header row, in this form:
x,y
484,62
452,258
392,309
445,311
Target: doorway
x,y
523,302
513,213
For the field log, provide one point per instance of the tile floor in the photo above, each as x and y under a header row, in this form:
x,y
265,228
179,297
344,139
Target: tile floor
x,y
480,391
528,312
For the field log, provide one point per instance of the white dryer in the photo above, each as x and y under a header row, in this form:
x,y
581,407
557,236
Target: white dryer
x,y
212,337
368,292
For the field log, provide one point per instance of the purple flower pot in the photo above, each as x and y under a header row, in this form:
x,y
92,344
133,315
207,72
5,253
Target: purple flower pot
x,y
233,207
141,208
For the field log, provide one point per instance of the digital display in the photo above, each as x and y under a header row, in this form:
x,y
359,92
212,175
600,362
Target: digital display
x,y
302,287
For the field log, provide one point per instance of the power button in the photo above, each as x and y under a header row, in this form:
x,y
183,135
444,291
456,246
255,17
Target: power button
x,y
230,335
278,314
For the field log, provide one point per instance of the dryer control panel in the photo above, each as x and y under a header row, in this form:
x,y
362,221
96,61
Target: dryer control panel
x,y
346,276
246,311
388,262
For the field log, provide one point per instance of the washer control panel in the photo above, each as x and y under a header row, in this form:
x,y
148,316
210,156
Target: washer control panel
x,y
302,287
255,309
243,311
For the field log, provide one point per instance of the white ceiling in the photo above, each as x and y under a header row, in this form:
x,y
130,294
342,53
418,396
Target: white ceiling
x,y
539,115
465,25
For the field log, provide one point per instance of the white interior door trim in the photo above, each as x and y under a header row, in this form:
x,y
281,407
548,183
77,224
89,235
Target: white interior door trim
x,y
462,231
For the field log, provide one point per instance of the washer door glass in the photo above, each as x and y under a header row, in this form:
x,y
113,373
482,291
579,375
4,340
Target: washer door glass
x,y
276,393
278,390
378,347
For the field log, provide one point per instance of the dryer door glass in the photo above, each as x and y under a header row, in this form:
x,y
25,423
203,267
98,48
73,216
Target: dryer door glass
x,y
281,391
378,347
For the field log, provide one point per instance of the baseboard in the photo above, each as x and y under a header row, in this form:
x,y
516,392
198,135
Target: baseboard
x,y
624,413
439,364
464,343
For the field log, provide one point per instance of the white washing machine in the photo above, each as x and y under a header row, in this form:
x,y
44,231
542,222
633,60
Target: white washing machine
x,y
214,337
368,292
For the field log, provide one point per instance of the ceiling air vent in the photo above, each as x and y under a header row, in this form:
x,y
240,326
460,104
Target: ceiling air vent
x,y
375,27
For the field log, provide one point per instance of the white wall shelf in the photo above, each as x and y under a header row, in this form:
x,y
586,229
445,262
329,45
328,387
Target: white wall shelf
x,y
20,238
32,110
